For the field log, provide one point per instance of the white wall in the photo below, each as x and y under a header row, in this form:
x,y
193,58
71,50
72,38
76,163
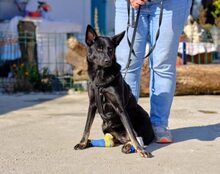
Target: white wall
x,y
75,11
8,9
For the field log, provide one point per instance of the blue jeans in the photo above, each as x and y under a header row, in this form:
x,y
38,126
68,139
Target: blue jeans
x,y
162,62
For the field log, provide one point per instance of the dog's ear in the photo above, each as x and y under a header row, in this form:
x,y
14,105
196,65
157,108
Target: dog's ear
x,y
90,35
117,38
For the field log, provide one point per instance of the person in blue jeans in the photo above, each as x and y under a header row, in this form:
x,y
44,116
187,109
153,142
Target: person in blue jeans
x,y
162,62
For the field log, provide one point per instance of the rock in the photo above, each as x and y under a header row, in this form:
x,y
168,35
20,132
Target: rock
x,y
191,79
198,79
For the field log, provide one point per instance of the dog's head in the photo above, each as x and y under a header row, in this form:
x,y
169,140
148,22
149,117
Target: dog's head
x,y
101,50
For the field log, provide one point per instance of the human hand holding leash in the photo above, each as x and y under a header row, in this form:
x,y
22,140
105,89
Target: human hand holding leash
x,y
137,3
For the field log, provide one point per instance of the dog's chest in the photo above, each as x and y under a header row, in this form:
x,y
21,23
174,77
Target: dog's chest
x,y
105,108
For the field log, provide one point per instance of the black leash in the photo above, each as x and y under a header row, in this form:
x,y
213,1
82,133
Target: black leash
x,y
99,97
134,25
99,100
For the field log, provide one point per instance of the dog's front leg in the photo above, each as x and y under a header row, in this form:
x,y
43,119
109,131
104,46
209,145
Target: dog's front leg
x,y
117,104
129,128
84,143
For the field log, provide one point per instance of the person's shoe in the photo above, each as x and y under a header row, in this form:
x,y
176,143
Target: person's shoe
x,y
162,135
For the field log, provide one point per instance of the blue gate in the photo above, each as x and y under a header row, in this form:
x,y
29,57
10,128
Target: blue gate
x,y
98,16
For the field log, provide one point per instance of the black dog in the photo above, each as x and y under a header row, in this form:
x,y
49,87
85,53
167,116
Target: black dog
x,y
122,117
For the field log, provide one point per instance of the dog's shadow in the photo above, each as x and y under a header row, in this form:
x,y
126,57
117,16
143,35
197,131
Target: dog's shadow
x,y
202,133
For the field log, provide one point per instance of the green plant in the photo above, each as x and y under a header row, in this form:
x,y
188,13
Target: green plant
x,y
216,12
29,79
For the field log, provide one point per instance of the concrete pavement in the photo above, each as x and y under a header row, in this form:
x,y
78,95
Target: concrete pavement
x,y
38,133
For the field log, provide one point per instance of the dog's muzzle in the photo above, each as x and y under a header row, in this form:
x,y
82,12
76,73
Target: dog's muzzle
x,y
107,62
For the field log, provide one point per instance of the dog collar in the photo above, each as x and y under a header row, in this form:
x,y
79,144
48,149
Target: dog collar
x,y
108,82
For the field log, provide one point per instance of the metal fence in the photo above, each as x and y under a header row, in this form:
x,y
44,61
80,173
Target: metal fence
x,y
30,61
37,61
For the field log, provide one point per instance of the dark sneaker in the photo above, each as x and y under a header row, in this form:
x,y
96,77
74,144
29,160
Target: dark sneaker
x,y
162,135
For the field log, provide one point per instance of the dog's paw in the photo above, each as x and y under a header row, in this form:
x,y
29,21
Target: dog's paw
x,y
80,146
127,148
143,153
